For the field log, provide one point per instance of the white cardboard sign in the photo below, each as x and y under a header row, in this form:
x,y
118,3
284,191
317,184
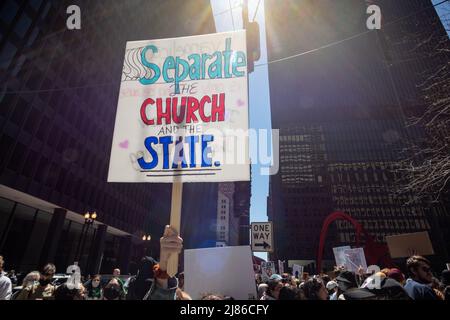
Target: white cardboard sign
x,y
224,271
267,270
181,103
339,256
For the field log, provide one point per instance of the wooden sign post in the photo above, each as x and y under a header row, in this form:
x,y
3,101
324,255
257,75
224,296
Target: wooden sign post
x,y
175,222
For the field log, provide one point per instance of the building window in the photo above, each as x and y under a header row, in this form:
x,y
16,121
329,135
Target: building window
x,y
16,243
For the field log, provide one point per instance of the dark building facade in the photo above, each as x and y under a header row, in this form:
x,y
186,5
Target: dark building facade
x,y
341,110
58,97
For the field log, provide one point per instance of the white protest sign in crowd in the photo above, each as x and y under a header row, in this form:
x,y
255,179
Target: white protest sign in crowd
x,y
183,111
297,271
339,255
267,270
354,259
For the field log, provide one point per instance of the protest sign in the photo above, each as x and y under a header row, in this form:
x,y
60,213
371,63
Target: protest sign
x,y
354,259
172,117
408,244
339,255
226,271
267,269
297,271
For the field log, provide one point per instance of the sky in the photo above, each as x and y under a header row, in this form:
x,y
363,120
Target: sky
x,y
228,17
259,102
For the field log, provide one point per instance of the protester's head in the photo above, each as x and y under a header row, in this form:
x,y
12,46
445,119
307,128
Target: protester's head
x,y
397,275
30,279
258,278
112,290
273,287
315,290
419,269
116,272
331,286
2,262
294,281
276,277
95,282
289,293
64,293
445,278
285,278
346,280
145,268
262,288
47,274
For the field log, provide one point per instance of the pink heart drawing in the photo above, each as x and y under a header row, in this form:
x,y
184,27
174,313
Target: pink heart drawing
x,y
240,103
124,144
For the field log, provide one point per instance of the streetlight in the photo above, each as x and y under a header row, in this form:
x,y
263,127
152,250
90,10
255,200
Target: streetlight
x,y
146,240
89,219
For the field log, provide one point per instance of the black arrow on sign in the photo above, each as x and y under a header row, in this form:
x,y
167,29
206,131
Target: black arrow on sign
x,y
265,245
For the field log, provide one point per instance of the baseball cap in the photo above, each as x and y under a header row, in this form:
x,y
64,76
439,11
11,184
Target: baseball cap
x,y
331,285
276,277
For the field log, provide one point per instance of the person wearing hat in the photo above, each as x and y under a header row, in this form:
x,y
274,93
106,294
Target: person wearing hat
x,y
346,280
418,286
332,288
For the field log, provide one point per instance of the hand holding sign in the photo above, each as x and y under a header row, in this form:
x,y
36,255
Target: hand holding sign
x,y
171,244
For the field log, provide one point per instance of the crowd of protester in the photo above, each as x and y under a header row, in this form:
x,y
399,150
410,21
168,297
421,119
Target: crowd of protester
x,y
388,284
153,283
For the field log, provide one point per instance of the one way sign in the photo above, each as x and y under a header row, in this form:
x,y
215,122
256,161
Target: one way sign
x,y
262,237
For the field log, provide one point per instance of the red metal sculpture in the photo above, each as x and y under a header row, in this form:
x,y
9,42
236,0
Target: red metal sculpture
x,y
376,253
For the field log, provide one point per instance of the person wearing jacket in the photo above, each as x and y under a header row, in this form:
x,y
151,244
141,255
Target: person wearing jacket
x,y
418,286
94,290
5,283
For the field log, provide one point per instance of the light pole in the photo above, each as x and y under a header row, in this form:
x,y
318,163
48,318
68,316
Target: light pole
x,y
146,241
89,219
